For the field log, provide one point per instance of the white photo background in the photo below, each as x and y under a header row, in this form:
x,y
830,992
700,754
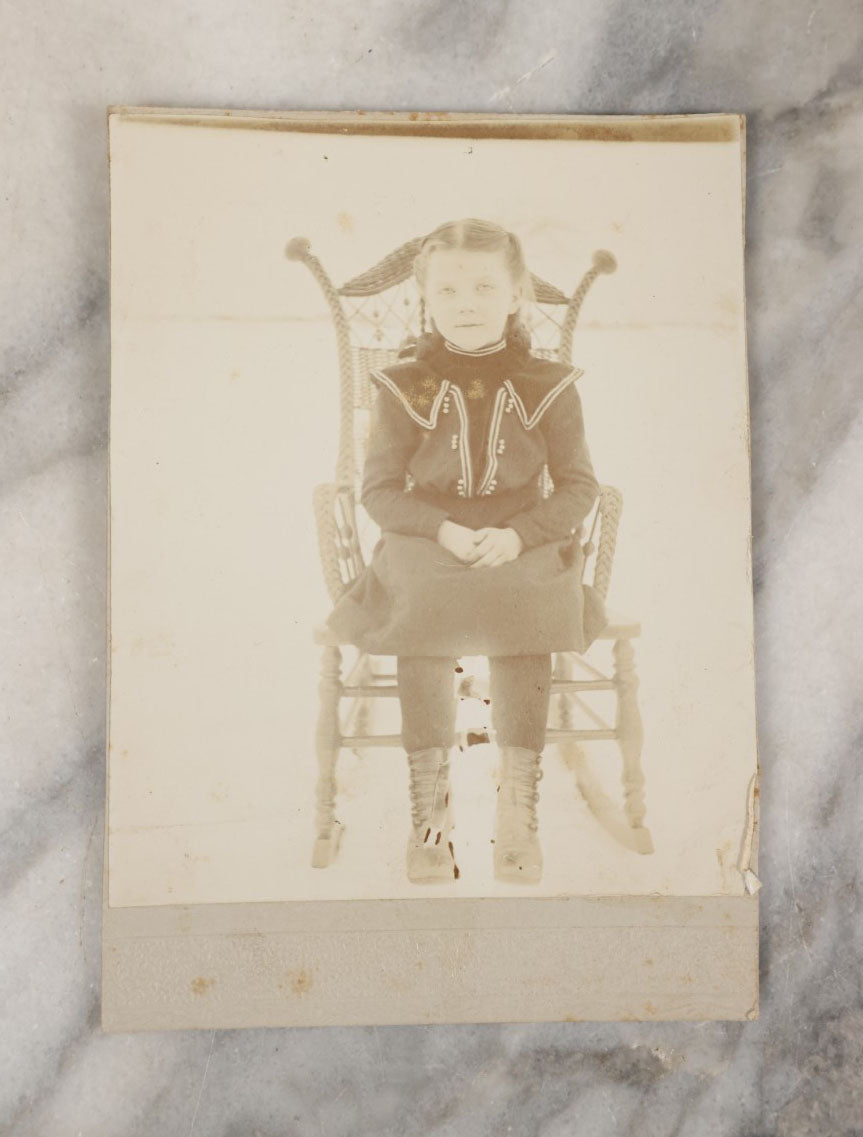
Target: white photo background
x,y
225,416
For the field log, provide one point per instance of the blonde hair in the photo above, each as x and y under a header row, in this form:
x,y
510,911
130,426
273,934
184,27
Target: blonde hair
x,y
480,236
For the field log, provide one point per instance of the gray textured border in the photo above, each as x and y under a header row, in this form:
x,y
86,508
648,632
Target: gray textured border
x,y
433,961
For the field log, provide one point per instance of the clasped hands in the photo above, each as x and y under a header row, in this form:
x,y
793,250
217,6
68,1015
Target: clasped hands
x,y
479,548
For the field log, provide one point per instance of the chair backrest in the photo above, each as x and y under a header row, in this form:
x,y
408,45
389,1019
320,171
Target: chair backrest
x,y
374,316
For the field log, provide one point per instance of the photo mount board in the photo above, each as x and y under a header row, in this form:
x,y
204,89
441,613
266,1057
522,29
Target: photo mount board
x,y
433,960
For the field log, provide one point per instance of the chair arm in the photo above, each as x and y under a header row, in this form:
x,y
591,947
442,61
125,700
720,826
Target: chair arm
x,y
610,508
338,541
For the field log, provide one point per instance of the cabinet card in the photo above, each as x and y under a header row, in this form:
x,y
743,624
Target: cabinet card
x,y
288,430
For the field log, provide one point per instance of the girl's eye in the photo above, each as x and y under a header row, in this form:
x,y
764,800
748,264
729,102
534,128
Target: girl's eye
x,y
485,287
446,291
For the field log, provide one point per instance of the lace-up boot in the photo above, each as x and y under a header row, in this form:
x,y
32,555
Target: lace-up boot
x,y
517,854
430,853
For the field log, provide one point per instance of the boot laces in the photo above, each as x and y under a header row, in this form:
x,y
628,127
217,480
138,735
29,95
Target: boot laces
x,y
524,775
429,794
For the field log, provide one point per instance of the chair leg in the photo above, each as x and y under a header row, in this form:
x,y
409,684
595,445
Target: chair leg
x,y
363,720
631,738
327,744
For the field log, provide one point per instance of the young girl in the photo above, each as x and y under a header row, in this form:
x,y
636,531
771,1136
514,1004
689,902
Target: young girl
x,y
472,559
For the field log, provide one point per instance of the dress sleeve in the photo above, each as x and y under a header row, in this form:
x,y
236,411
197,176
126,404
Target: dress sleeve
x,y
575,485
393,439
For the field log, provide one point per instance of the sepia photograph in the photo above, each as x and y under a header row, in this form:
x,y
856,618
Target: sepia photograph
x,y
430,522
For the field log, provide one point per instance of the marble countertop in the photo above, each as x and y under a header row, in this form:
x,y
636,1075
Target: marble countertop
x,y
794,70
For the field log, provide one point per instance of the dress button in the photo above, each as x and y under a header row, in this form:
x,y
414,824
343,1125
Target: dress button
x,y
454,442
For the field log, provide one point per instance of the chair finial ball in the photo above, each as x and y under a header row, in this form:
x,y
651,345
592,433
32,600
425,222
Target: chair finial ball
x,y
603,261
298,248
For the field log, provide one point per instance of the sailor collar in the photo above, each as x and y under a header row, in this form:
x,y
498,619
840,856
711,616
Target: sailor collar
x,y
529,387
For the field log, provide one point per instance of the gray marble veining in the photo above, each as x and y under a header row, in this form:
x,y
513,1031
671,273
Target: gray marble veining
x,y
794,69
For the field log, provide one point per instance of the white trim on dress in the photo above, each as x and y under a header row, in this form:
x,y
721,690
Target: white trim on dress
x,y
429,423
465,488
530,421
491,447
489,350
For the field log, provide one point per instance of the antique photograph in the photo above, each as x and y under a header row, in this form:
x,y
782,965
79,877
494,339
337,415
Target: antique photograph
x,y
430,514
477,475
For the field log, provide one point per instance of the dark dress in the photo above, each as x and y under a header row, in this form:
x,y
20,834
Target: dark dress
x,y
464,436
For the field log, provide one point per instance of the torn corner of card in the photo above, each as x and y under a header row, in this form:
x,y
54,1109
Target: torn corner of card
x,y
748,862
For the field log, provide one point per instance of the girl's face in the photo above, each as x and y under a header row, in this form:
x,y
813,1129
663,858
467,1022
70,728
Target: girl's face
x,y
469,295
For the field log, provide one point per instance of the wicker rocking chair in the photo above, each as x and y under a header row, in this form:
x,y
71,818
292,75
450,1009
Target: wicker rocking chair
x,y
373,315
